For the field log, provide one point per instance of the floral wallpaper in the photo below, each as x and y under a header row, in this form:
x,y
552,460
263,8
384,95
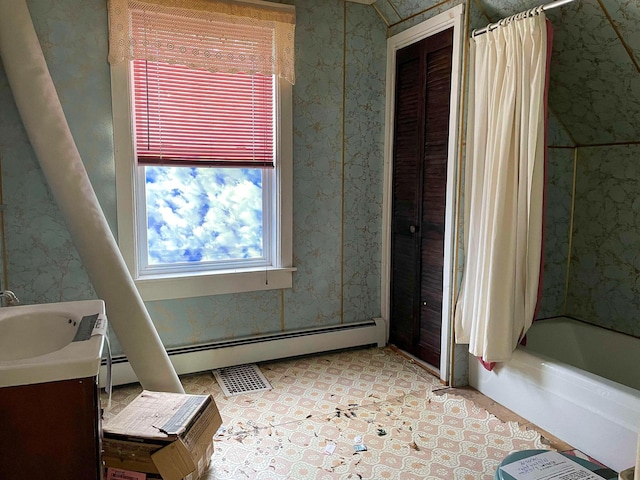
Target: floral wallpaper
x,y
603,286
363,150
414,12
559,190
42,263
338,167
558,193
595,90
594,77
339,101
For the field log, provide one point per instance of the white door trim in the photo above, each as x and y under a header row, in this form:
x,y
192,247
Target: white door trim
x,y
451,18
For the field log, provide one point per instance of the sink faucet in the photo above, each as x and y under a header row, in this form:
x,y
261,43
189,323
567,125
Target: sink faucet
x,y
8,299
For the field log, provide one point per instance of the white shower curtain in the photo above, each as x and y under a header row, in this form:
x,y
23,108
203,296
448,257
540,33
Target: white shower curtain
x,y
504,184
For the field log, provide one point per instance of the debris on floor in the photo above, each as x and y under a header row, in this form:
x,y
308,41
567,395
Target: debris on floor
x,y
404,428
358,446
329,448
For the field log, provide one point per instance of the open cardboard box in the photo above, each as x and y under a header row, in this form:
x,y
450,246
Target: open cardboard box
x,y
169,435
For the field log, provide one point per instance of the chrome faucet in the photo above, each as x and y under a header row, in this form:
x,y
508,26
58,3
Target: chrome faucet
x,y
8,299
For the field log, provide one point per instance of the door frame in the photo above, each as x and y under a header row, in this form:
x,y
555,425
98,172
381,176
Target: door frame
x,y
451,18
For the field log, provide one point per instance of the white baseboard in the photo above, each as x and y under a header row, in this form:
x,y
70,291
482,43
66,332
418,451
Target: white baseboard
x,y
262,348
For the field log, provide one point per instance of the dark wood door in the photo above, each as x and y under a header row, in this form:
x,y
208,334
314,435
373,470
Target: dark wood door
x,y
421,135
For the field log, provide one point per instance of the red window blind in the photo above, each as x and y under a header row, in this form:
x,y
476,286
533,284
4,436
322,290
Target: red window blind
x,y
188,117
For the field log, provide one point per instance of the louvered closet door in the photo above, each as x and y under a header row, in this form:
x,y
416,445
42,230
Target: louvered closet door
x,y
421,132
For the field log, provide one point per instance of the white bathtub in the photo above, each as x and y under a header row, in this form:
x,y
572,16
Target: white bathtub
x,y
558,382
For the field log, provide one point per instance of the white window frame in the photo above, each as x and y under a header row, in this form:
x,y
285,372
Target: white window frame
x,y
212,282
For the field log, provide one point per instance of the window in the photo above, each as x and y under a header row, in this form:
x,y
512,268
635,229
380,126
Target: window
x,y
202,130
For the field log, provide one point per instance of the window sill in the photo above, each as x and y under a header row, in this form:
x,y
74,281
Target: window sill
x,y
165,287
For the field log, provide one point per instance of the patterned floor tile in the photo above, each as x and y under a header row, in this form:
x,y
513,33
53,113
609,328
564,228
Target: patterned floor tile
x,y
307,425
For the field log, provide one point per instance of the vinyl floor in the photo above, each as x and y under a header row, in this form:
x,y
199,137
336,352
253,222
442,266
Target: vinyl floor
x,y
361,414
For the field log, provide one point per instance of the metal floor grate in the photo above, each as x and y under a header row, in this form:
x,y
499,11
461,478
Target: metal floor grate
x,y
241,379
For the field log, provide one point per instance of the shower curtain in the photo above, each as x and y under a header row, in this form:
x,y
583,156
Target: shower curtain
x,y
503,186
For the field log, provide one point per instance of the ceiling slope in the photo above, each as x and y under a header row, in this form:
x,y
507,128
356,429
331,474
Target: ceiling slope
x,y
595,66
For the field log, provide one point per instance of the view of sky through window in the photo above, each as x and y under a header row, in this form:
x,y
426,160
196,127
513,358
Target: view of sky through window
x,y
203,214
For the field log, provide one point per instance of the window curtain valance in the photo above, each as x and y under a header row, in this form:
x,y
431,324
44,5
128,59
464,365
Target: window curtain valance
x,y
256,38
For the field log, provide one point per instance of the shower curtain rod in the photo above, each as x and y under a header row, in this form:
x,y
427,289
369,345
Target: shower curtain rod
x,y
549,6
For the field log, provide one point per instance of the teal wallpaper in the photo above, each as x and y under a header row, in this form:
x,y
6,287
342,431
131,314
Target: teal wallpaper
x,y
414,12
595,78
338,165
364,119
595,90
42,263
604,286
558,193
559,190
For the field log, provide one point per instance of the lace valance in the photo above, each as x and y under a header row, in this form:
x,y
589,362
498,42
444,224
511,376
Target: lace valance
x,y
219,36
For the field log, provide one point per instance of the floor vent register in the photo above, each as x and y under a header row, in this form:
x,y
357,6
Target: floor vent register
x,y
241,379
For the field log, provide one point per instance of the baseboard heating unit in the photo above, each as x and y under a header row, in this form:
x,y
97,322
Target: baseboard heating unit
x,y
262,348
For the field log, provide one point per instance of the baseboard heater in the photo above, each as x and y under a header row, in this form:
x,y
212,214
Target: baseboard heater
x,y
261,348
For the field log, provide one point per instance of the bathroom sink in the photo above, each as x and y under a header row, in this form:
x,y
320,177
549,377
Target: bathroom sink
x,y
51,342
21,335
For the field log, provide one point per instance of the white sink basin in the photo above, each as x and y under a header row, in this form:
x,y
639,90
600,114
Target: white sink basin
x,y
45,342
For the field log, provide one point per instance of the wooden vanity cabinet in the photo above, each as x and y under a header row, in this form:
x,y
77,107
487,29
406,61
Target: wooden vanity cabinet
x,y
51,431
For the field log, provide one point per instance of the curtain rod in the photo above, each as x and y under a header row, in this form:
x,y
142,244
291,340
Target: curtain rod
x,y
526,13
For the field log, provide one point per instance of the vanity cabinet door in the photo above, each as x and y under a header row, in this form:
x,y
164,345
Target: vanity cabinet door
x,y
50,431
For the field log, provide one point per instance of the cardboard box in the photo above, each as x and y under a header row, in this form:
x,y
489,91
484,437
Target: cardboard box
x,y
167,435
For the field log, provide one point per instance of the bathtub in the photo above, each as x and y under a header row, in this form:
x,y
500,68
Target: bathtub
x,y
577,381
